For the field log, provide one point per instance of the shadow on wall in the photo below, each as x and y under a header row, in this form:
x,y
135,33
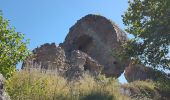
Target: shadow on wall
x,y
84,42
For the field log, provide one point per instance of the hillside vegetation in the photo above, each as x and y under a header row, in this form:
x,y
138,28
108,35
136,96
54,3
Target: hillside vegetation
x,y
36,85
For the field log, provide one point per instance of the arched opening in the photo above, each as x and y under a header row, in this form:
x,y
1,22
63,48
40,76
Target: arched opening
x,y
84,42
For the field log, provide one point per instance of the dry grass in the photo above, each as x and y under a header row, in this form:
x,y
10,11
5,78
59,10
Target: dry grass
x,y
34,85
142,90
48,85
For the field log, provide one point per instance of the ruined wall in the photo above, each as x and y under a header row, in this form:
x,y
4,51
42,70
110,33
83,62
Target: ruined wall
x,y
47,56
93,39
97,36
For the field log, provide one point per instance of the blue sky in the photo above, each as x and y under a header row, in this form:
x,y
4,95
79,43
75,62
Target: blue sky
x,y
46,21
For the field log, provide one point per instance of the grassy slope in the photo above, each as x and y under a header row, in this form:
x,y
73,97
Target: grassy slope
x,y
40,86
43,86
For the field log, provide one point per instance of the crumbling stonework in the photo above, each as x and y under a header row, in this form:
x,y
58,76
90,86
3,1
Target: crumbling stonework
x,y
89,46
47,56
52,57
97,36
81,63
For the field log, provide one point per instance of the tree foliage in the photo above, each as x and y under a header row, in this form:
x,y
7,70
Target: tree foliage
x,y
12,48
149,23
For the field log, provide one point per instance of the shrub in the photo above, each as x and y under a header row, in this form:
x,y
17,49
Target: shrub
x,y
12,48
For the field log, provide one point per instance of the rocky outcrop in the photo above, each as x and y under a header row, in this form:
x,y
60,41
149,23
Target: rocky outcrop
x,y
89,46
139,72
98,37
47,56
52,57
80,63
3,94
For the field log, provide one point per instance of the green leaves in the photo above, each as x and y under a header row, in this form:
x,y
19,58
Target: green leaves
x,y
149,22
12,48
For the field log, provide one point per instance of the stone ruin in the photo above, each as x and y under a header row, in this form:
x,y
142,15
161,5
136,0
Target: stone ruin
x,y
89,46
47,56
97,37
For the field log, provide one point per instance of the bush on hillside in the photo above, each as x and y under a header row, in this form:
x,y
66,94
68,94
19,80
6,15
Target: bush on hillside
x,y
12,48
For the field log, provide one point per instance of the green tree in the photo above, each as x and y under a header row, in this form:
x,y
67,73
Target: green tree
x,y
149,23
12,48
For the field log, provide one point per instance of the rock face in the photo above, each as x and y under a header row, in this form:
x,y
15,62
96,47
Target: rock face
x,y
47,56
3,95
140,72
89,46
81,62
52,57
96,36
